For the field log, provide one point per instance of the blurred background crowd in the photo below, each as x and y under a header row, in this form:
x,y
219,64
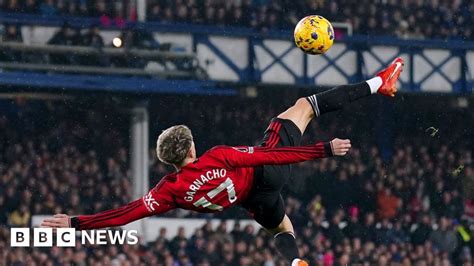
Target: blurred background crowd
x,y
413,19
408,201
403,196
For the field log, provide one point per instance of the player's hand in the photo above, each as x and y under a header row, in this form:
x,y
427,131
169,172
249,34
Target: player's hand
x,y
58,221
340,147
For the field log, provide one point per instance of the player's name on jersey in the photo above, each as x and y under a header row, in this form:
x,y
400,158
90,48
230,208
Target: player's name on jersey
x,y
66,237
202,180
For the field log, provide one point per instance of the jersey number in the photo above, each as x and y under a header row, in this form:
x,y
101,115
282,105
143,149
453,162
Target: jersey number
x,y
226,185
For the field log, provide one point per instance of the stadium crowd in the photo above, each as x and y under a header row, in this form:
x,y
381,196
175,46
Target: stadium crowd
x,y
406,19
413,207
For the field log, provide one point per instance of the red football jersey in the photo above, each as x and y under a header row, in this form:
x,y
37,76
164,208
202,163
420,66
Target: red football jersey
x,y
220,178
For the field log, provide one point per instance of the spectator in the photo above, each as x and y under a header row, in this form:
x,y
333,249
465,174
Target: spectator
x,y
423,231
47,8
181,13
334,232
237,17
61,7
168,15
119,15
154,13
31,7
195,16
354,229
72,9
220,17
67,35
210,15
13,6
93,39
388,204
369,228
83,10
11,33
101,10
468,210
20,217
444,238
397,234
384,232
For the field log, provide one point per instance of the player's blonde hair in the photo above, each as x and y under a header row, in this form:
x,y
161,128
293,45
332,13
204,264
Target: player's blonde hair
x,y
173,144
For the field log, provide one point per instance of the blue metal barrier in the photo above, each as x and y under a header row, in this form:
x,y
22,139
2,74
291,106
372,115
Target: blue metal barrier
x,y
65,82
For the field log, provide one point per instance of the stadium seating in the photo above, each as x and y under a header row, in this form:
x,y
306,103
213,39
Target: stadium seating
x,y
430,19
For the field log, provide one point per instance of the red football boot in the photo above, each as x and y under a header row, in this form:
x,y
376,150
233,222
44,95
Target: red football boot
x,y
390,76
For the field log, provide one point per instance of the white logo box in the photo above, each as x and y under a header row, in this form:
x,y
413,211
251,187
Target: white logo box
x,y
42,237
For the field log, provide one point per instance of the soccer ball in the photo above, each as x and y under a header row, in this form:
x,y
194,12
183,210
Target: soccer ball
x,y
314,35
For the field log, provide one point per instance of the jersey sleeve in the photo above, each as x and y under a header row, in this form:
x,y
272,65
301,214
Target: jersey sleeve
x,y
254,156
155,202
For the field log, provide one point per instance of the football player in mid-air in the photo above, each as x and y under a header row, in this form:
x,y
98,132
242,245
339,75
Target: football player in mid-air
x,y
249,176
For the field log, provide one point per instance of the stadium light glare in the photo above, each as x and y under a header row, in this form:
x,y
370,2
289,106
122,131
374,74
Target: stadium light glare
x,y
117,42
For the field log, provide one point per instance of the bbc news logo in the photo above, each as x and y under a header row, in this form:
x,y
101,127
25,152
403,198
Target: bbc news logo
x,y
66,237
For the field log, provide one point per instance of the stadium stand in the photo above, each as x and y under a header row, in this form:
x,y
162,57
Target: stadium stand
x,y
369,207
409,19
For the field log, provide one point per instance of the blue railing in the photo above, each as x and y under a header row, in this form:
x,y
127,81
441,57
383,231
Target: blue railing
x,y
247,56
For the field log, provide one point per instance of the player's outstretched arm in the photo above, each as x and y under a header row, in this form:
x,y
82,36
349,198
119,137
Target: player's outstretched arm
x,y
110,218
58,221
153,203
255,156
